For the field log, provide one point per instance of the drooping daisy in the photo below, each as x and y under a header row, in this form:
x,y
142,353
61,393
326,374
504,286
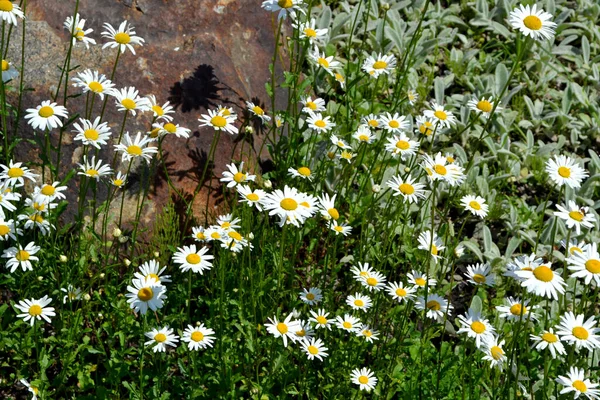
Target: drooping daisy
x,y
327,207
129,100
327,63
494,353
8,230
235,175
481,274
320,319
401,293
576,382
286,204
188,258
348,323
346,155
379,64
311,296
9,72
517,310
145,294
532,22
318,123
138,147
393,123
46,116
543,281
36,220
315,348
440,115
250,196
286,329
92,81
340,79
9,12
305,333
308,30
364,378
219,121
33,309
359,302
483,106
302,172
363,134
586,264
339,143
475,326
71,293
152,269
424,125
575,216
161,338
21,257
93,169
431,242
123,37
343,229
78,32
169,128
548,339
401,145
315,105
420,280
475,204
369,334
408,189
258,111
435,305
565,171
284,7
160,112
92,133
522,263
575,331
438,168
33,389
198,337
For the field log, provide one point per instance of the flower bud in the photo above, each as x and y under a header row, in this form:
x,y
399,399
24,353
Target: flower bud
x,y
117,232
127,262
267,184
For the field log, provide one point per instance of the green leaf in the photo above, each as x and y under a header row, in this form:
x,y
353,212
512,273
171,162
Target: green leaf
x,y
501,78
474,248
476,304
585,49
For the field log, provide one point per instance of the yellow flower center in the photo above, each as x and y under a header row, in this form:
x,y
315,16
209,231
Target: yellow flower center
x,y
339,77
46,112
420,281
35,310
235,236
323,62
92,172
158,110
5,65
310,296
160,337
6,6
440,169
282,328
394,124
593,266
226,225
154,133
37,218
197,336
359,303
4,230
532,22
400,292
122,38
579,385
580,333
118,182
129,104
145,294
434,250
433,305
193,258
479,278
91,134
170,128
478,327
406,188
564,172
363,379
285,3
258,111
313,350
380,65
333,213
573,249
321,320
309,32
346,155
402,144
425,128
288,204
549,337
485,106
347,325
218,121
543,273
311,104
450,159
215,235
518,309
475,205
134,150
372,281
320,123
22,255
252,197
576,215
301,333
96,87
48,190
200,236
373,123
239,177
304,171
154,276
339,228
439,114
367,333
496,353
15,172
363,138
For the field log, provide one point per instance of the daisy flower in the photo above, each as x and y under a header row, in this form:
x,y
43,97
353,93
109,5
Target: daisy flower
x,y
160,112
305,333
161,338
36,220
286,204
399,292
425,126
92,133
284,7
346,155
138,147
10,12
199,234
362,271
379,65
436,306
78,32
123,37
372,121
93,169
318,123
575,331
145,294
516,310
152,269
542,281
327,63
129,100
574,216
219,122
312,106
475,204
364,378
340,79
33,309
227,222
522,263
258,111
564,171
250,196
347,323
548,340
92,81
368,333
308,30
14,174
364,135
8,229
408,189
412,97
235,176
198,337
320,319
327,207
340,143
119,180
46,116
226,111
586,264
576,382
302,172
359,302
214,233
72,293
311,296
494,353
188,258
431,242
475,326
33,389
481,274
315,348
375,281
401,145
420,280
343,229
483,106
170,128
440,115
48,193
394,123
21,257
532,22
286,329
438,168
9,72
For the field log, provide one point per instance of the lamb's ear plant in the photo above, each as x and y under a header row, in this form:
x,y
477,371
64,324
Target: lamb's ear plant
x,y
419,220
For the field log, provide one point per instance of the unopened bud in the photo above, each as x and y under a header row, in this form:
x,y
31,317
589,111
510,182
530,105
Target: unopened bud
x,y
376,188
156,254
117,232
62,258
127,262
87,297
267,184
